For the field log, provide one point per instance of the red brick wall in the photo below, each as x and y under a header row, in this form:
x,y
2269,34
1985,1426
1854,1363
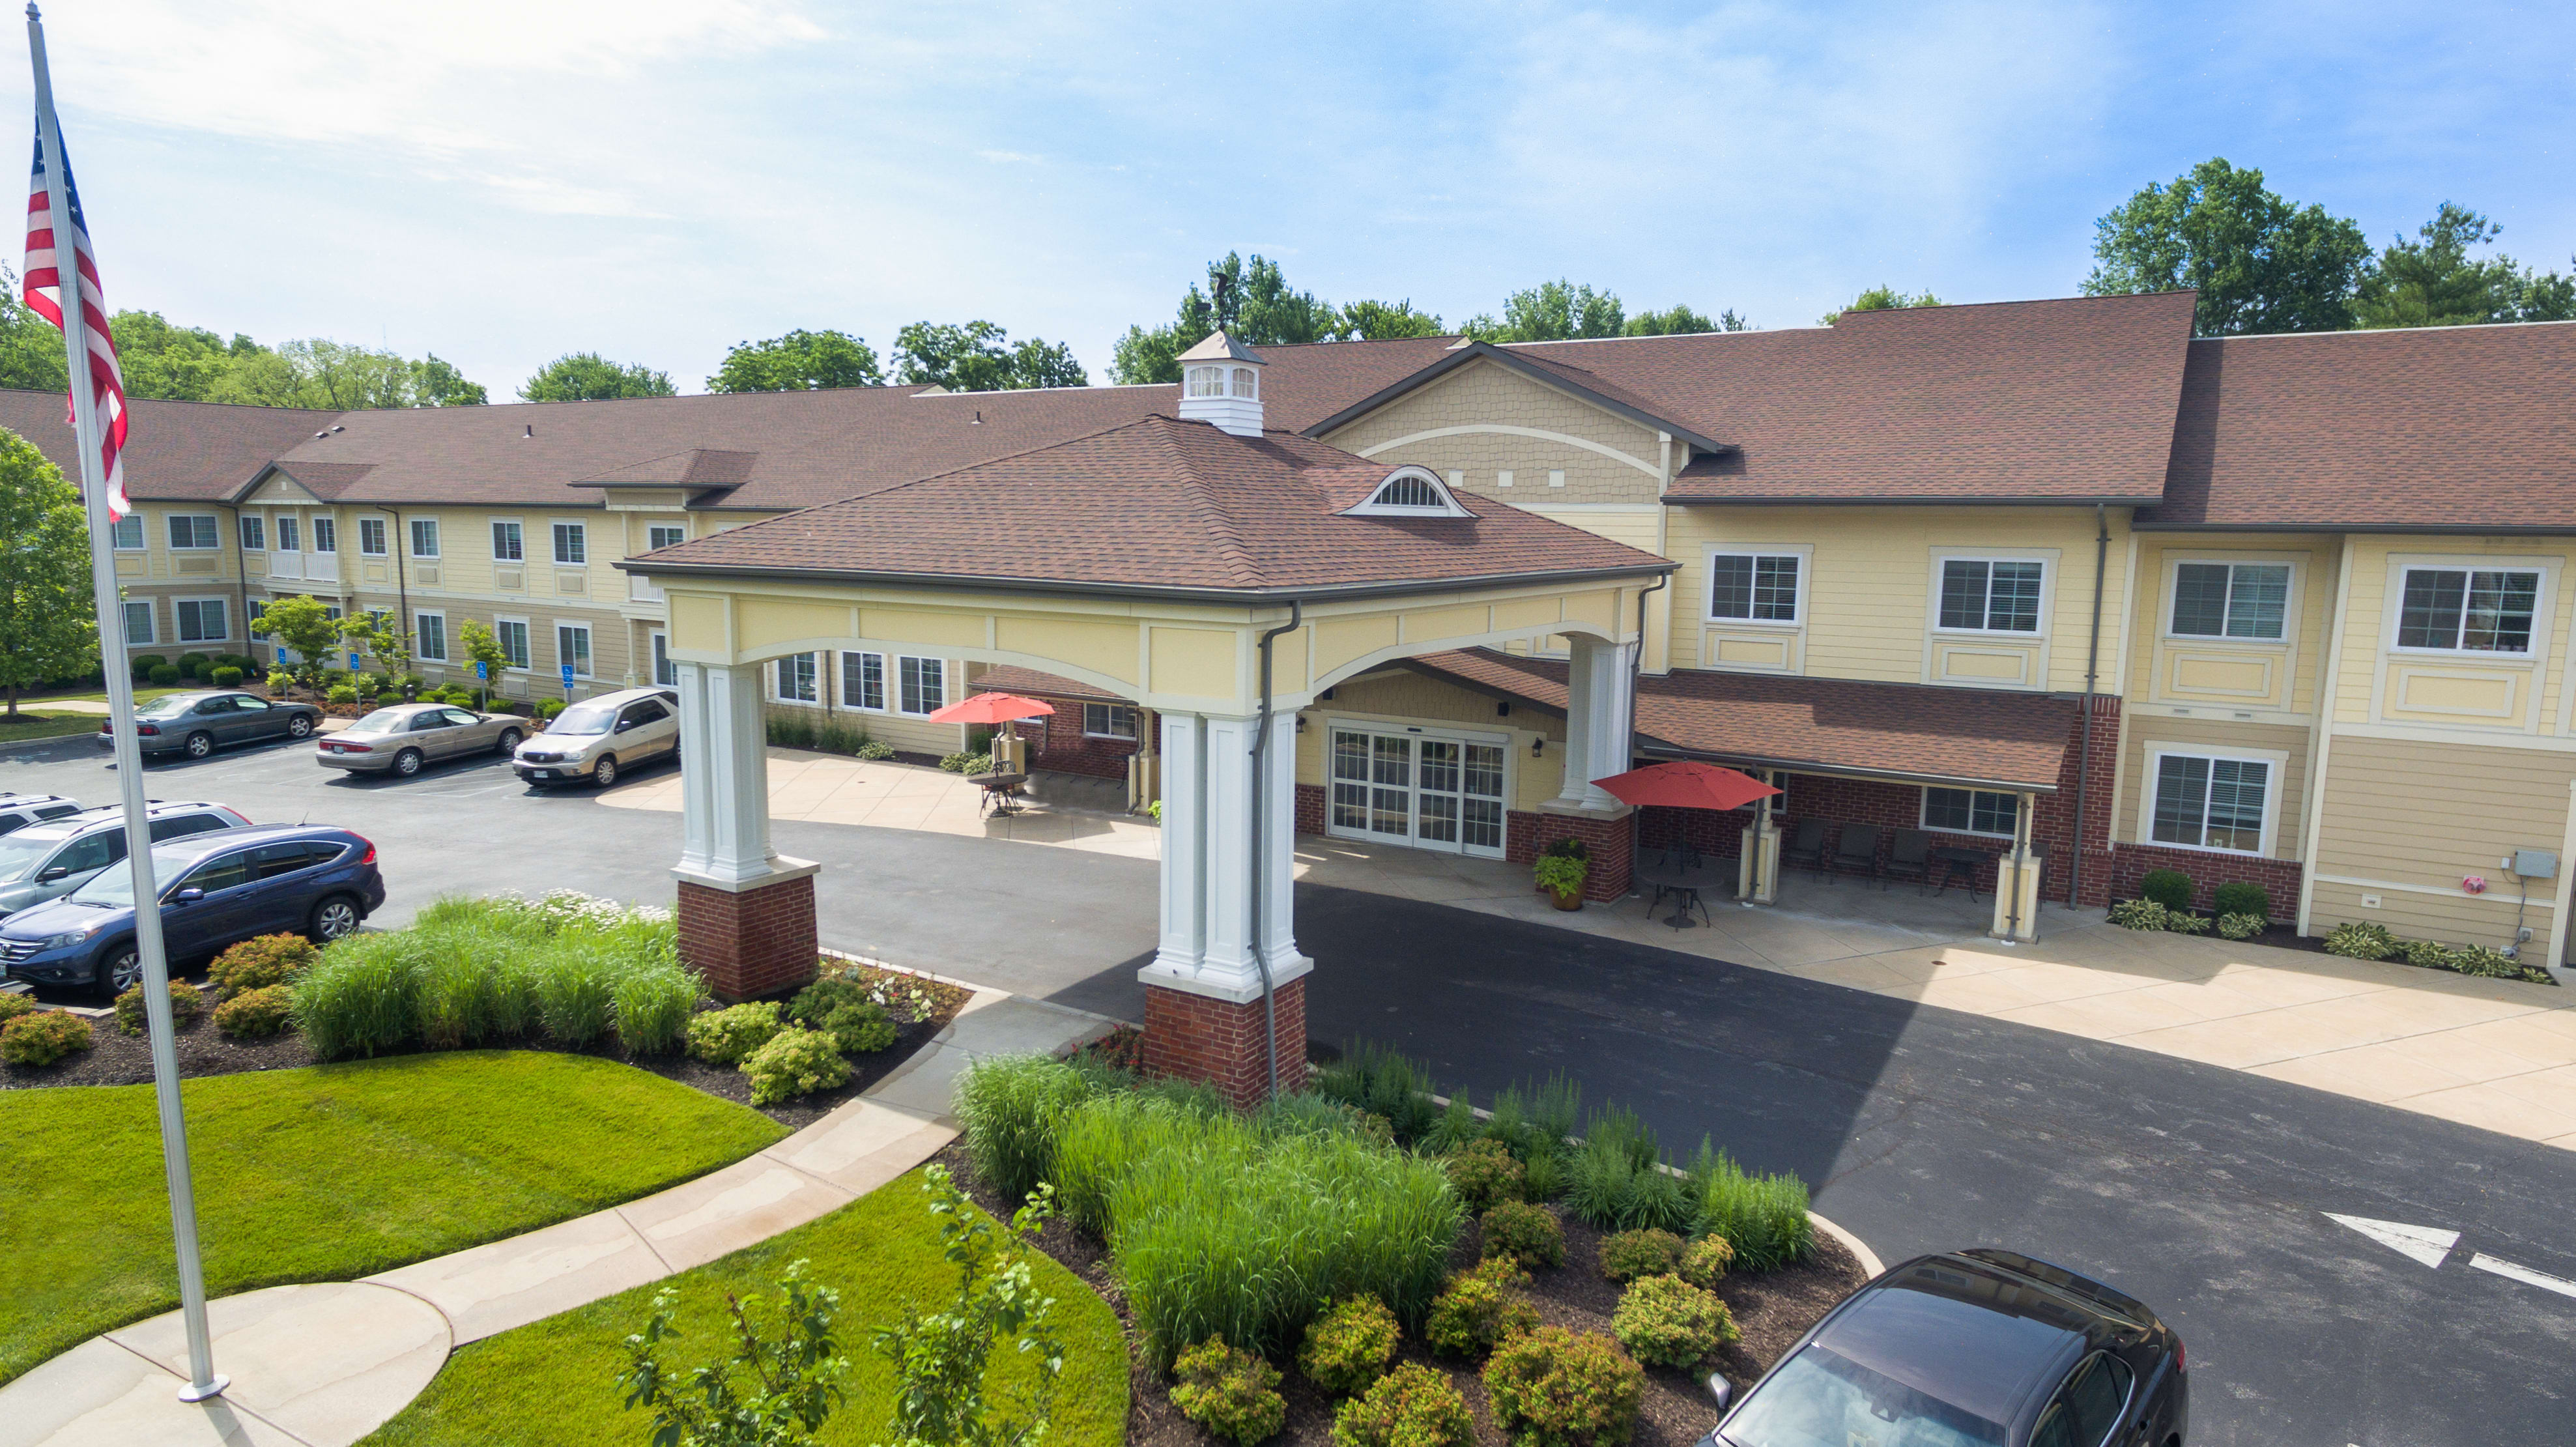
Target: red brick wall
x,y
759,942
1310,808
1216,1041
1057,741
1610,840
2103,748
2279,877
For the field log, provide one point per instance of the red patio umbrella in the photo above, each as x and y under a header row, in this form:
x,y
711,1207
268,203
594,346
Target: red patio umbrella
x,y
991,708
1685,784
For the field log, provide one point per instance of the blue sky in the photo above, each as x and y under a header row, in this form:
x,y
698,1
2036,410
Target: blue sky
x,y
503,182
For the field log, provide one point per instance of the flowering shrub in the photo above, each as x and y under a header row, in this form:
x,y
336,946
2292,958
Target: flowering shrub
x,y
1350,1346
1553,1388
560,907
1412,1406
1667,1322
1233,1394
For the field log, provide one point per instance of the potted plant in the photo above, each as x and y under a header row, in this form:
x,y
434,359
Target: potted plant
x,y
1561,870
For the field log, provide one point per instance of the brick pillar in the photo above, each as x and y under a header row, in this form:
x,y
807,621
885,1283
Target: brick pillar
x,y
1218,1041
750,941
1611,838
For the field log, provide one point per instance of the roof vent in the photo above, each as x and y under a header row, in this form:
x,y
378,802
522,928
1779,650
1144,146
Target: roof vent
x,y
979,418
322,434
531,432
339,427
1221,385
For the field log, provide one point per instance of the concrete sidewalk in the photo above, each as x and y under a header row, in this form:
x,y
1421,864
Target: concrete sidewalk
x,y
326,1363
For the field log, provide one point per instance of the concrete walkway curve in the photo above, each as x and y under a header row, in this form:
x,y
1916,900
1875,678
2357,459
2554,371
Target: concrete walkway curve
x,y
324,1364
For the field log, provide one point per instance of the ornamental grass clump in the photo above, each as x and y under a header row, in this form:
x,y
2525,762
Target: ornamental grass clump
x,y
1011,1107
1350,1346
1763,1219
1412,1406
362,997
1665,1321
43,1038
1232,1393
185,1005
1379,1081
1553,1388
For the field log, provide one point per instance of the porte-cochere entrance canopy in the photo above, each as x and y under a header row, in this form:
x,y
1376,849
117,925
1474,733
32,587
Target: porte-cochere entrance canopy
x,y
1223,579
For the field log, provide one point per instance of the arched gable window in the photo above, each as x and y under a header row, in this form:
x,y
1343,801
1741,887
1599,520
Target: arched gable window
x,y
1410,492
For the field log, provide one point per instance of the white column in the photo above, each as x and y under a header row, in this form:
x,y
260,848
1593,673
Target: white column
x,y
1279,854
1183,941
1600,701
724,780
1207,945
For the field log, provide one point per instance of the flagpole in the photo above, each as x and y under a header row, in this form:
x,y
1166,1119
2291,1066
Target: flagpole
x,y
203,1381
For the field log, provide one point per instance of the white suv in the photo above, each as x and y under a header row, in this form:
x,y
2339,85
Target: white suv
x,y
53,858
600,738
17,811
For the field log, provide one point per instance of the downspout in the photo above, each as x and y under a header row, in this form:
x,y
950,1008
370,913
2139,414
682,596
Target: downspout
x,y
1260,796
2092,671
1636,671
241,577
402,588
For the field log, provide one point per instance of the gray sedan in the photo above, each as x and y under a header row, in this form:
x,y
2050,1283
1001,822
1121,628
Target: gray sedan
x,y
406,736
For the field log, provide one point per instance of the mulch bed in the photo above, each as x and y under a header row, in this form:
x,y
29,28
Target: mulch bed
x,y
1772,1309
116,1058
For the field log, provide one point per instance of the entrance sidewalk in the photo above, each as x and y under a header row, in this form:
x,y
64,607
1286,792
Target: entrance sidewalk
x,y
326,1363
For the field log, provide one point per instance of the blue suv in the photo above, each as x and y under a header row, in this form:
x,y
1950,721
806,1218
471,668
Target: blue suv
x,y
217,890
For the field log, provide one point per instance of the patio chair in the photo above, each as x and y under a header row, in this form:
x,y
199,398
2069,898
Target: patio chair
x,y
1909,856
1806,848
1856,852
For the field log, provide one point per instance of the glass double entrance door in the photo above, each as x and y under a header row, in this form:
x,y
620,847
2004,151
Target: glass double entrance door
x,y
1422,789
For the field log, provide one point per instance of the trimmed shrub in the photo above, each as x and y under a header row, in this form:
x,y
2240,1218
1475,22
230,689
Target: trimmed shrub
x,y
1630,1255
343,694
2241,926
43,1038
1483,1174
227,676
1350,1346
1234,1394
193,664
256,1014
815,1003
861,1029
2361,941
1705,1261
1553,1388
1763,1219
1412,1406
794,1062
185,1005
2169,887
547,709
144,663
278,682
13,1006
1011,1107
256,964
163,675
1529,1236
2241,896
1479,1311
2140,914
729,1036
1665,1321
361,997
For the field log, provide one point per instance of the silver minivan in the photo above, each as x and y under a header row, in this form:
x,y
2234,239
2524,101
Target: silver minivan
x,y
600,738
54,858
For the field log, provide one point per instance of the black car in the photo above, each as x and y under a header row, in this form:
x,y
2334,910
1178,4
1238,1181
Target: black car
x,y
1978,1348
197,724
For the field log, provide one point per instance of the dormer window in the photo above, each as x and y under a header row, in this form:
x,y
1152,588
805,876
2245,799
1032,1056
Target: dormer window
x,y
1410,492
1210,381
1247,382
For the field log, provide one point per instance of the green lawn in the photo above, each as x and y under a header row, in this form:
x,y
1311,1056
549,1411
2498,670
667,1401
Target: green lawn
x,y
553,1383
327,1173
30,724
143,693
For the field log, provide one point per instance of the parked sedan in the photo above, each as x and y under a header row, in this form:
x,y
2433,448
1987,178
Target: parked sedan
x,y
402,738
1980,1348
598,738
197,724
218,890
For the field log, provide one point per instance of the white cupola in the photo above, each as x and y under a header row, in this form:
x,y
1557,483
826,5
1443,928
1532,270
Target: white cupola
x,y
1221,385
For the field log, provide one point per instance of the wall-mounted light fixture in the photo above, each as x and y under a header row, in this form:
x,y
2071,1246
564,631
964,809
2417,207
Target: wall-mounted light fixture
x,y
1301,723
1538,746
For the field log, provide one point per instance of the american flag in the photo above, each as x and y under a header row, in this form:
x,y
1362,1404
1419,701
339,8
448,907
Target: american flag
x,y
44,297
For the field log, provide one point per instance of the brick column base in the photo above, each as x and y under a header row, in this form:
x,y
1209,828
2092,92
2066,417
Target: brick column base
x,y
1195,1037
750,942
1610,839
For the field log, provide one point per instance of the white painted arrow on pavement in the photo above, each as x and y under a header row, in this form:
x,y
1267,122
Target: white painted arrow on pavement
x,y
2418,1243
2524,1274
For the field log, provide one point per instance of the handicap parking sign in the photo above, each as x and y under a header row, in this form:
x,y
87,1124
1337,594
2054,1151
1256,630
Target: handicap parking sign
x,y
482,669
567,677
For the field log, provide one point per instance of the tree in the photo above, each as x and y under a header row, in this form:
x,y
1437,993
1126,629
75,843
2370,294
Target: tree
x,y
1876,299
482,646
1381,321
387,644
1552,311
2433,282
781,1386
304,626
436,383
589,377
48,619
800,361
1250,301
980,357
160,359
2260,263
1681,319
31,350
940,1357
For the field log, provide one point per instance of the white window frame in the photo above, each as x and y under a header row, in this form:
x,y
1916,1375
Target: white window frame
x,y
589,651
896,685
2175,563
289,529
2543,604
2277,767
2041,622
131,522
254,532
527,644
214,531
178,631
1923,812
556,529
650,529
841,681
812,679
325,531
1803,554
1134,721
518,539
151,623
420,635
657,647
384,540
412,538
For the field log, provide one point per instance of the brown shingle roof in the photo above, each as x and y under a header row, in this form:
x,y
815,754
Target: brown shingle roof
x,y
176,451
2446,429
1907,730
1159,506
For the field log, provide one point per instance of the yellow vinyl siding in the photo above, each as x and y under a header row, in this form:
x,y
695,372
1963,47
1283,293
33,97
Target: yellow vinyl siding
x,y
1485,420
2222,677
2147,731
2407,821
2500,695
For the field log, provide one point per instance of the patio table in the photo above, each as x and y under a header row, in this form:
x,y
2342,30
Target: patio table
x,y
1959,866
1001,791
1685,881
